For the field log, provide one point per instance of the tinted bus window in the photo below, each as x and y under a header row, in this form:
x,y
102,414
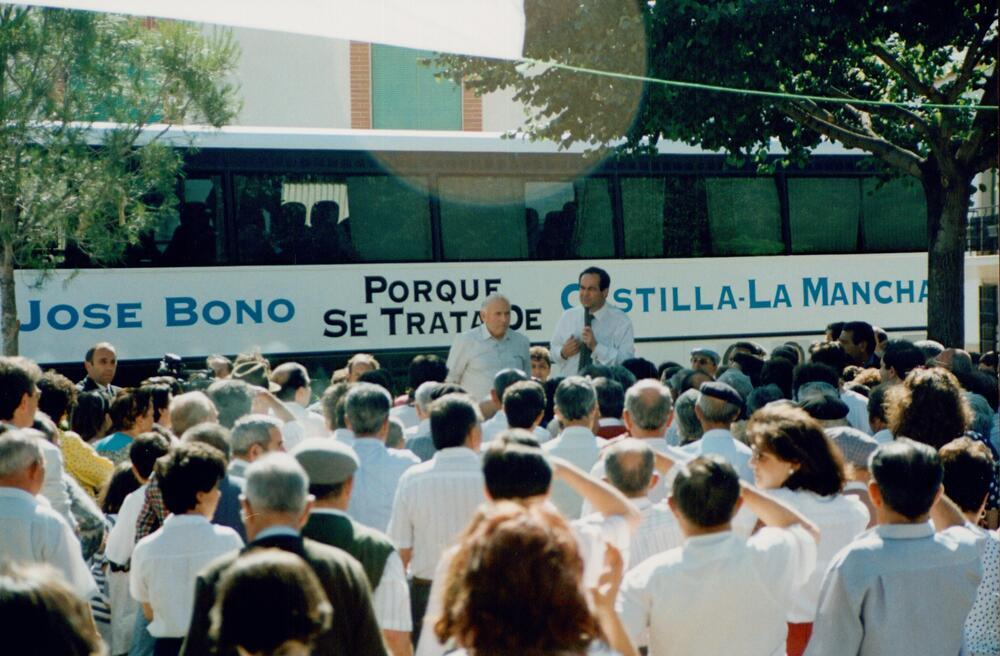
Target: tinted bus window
x,y
744,216
665,217
483,218
196,237
895,216
824,214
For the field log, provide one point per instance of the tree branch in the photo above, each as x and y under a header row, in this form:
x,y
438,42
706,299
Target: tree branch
x,y
972,56
983,126
926,90
896,157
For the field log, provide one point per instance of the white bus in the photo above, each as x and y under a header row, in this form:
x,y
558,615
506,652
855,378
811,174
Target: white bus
x,y
315,244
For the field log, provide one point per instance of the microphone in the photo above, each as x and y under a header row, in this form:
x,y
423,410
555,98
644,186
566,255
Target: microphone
x,y
588,318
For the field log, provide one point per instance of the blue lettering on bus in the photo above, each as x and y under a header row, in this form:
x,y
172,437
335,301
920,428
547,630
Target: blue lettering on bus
x,y
756,304
814,291
567,291
97,316
622,298
127,315
180,311
53,317
879,296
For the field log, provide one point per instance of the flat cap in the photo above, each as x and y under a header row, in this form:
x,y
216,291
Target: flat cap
x,y
856,446
823,404
326,461
722,391
706,352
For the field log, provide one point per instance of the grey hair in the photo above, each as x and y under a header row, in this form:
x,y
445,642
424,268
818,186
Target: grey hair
x,y
422,397
396,437
368,408
716,410
190,409
648,403
687,420
575,398
19,449
252,429
277,483
629,467
495,296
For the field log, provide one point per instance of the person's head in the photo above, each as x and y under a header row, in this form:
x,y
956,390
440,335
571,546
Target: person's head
x,y
823,403
221,366
334,404
706,494
213,435
160,394
330,466
685,379
121,484
988,363
968,470
899,359
38,604
814,372
395,437
423,396
930,348
610,398
541,363
189,478
704,359
269,602
686,416
426,368
22,465
719,405
380,377
641,368
144,451
832,354
576,401
647,408
360,363
19,378
524,404
779,372
595,283
455,422
190,409
629,467
233,398
504,379
367,410
101,363
255,435
514,467
515,586
495,314
833,331
928,407
876,408
58,395
293,381
90,418
132,410
276,493
907,479
858,340
791,450
789,351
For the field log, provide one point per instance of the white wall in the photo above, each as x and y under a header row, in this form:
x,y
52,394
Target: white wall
x,y
501,112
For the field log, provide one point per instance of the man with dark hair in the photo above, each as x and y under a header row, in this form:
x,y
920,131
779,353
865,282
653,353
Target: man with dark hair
x,y
164,563
900,358
330,466
101,363
610,405
876,414
576,409
819,370
833,331
436,499
295,393
858,340
500,422
901,588
227,511
719,593
423,369
595,332
524,407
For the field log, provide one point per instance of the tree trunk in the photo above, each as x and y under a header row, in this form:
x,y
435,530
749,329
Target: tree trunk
x,y
947,213
8,301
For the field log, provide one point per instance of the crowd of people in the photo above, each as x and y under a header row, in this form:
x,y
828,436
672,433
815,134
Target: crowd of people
x,y
514,499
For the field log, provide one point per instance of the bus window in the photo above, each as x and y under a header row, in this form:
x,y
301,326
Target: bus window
x,y
642,213
483,219
744,216
197,236
665,217
390,219
895,216
593,235
823,214
544,202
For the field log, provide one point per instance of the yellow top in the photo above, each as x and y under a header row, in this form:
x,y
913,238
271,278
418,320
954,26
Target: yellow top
x,y
90,470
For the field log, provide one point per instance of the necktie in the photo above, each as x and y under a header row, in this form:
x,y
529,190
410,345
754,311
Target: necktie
x,y
586,357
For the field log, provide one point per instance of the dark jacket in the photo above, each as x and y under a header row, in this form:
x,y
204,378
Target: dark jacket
x,y
371,548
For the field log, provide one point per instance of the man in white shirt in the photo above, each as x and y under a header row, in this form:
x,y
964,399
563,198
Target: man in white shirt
x,y
367,416
253,436
595,332
424,368
30,530
295,392
901,588
524,408
717,408
499,422
436,499
576,409
719,593
479,353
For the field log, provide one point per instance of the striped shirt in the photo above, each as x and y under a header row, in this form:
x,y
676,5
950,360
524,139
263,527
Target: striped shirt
x,y
375,481
434,501
658,531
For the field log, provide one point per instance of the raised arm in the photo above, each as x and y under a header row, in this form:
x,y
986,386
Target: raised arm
x,y
604,498
772,512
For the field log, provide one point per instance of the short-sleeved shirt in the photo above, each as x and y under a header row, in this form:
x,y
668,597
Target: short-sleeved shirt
x,y
477,356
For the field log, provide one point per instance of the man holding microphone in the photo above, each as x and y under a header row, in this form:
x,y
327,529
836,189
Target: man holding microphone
x,y
595,332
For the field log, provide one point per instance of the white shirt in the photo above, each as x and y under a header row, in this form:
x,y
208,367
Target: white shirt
x,y
857,410
422,427
840,519
391,597
982,626
612,331
498,424
165,565
375,481
718,593
53,487
434,501
306,424
345,436
658,531
721,443
30,530
477,356
579,446
655,495
406,414
121,539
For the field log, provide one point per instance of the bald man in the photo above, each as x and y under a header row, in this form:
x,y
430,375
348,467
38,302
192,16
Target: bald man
x,y
478,354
